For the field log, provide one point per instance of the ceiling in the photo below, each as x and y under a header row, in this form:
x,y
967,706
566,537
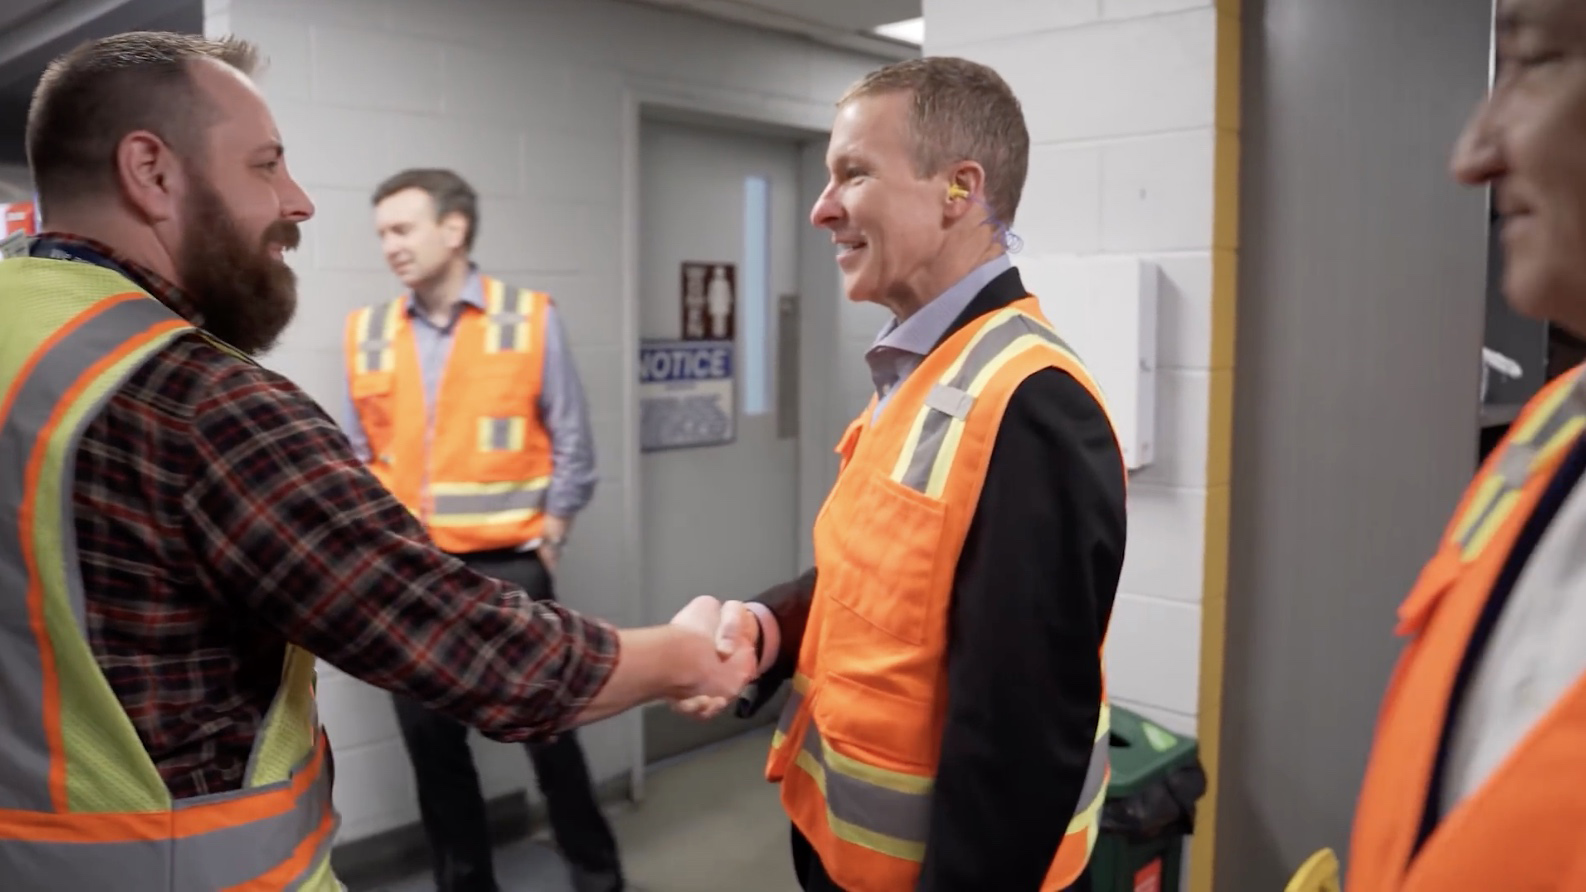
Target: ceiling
x,y
844,23
32,32
15,12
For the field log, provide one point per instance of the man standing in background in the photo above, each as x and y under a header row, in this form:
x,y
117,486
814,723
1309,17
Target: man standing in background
x,y
464,401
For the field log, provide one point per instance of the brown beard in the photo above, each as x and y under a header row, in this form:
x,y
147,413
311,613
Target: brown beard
x,y
246,296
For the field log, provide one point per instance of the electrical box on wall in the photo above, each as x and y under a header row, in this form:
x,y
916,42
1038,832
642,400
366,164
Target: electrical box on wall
x,y
1105,309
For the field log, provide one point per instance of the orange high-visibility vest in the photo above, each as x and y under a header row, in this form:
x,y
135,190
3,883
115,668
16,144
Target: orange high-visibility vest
x,y
857,744
82,805
1521,828
475,467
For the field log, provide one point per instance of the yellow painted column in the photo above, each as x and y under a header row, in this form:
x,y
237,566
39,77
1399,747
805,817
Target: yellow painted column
x,y
1219,433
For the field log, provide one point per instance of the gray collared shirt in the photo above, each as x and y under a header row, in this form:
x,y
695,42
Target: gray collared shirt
x,y
562,407
901,347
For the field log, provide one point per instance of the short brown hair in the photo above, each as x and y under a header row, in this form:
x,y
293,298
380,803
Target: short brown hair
x,y
961,111
91,98
450,193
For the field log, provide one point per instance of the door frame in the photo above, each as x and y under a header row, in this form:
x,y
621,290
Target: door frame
x,y
803,123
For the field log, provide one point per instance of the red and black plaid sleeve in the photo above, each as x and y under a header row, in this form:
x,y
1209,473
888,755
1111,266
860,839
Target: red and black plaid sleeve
x,y
293,529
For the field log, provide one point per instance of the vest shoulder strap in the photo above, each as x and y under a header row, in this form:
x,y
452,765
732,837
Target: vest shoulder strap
x,y
971,376
1548,427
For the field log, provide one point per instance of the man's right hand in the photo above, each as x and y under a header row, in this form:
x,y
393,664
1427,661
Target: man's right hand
x,y
703,657
734,630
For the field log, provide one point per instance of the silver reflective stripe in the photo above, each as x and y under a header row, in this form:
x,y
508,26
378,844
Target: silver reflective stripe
x,y
373,343
321,855
506,336
790,710
1096,773
949,401
500,434
904,817
25,767
942,408
889,811
1513,466
504,324
202,863
491,502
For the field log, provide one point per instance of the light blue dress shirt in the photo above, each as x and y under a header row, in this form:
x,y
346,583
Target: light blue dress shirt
x,y
901,347
563,409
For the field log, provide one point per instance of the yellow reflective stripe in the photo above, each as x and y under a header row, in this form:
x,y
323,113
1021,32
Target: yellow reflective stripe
x,y
1560,441
849,831
888,811
506,318
483,518
376,327
360,326
1486,491
955,427
1094,792
887,779
1556,422
502,434
481,504
790,710
1490,523
1527,429
917,426
482,489
937,428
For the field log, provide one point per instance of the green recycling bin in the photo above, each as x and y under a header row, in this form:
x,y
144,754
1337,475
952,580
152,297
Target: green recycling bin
x,y
1150,808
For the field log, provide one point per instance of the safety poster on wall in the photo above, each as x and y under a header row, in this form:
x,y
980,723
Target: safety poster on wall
x,y
687,394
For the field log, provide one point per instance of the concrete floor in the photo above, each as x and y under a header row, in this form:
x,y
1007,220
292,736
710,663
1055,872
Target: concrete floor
x,y
708,823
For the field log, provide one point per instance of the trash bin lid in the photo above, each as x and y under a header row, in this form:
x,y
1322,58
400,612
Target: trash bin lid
x,y
1142,752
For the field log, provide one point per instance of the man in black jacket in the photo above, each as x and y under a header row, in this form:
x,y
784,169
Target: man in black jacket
x,y
927,162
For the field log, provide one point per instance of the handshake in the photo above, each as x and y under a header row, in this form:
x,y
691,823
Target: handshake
x,y
733,631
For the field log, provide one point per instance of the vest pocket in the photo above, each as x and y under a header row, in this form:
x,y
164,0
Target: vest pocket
x,y
889,543
878,727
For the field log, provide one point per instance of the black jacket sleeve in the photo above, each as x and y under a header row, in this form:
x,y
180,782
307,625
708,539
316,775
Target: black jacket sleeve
x,y
790,604
1033,596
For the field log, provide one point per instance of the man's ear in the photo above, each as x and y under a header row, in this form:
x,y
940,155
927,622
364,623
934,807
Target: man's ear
x,y
454,228
150,175
966,186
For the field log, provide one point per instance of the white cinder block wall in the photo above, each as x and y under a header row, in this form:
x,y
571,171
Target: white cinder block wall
x,y
16,182
1118,96
525,98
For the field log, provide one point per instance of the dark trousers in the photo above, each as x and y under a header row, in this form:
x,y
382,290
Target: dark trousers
x,y
451,804
812,875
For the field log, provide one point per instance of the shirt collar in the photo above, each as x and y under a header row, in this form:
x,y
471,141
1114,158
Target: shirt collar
x,y
920,333
69,247
473,293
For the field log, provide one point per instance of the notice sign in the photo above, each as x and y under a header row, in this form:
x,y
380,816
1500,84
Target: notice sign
x,y
687,394
710,301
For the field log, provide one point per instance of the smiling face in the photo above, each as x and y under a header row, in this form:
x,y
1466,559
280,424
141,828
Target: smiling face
x,y
239,216
1528,141
886,220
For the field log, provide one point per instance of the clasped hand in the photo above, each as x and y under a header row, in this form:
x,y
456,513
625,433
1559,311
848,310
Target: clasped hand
x,y
733,630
